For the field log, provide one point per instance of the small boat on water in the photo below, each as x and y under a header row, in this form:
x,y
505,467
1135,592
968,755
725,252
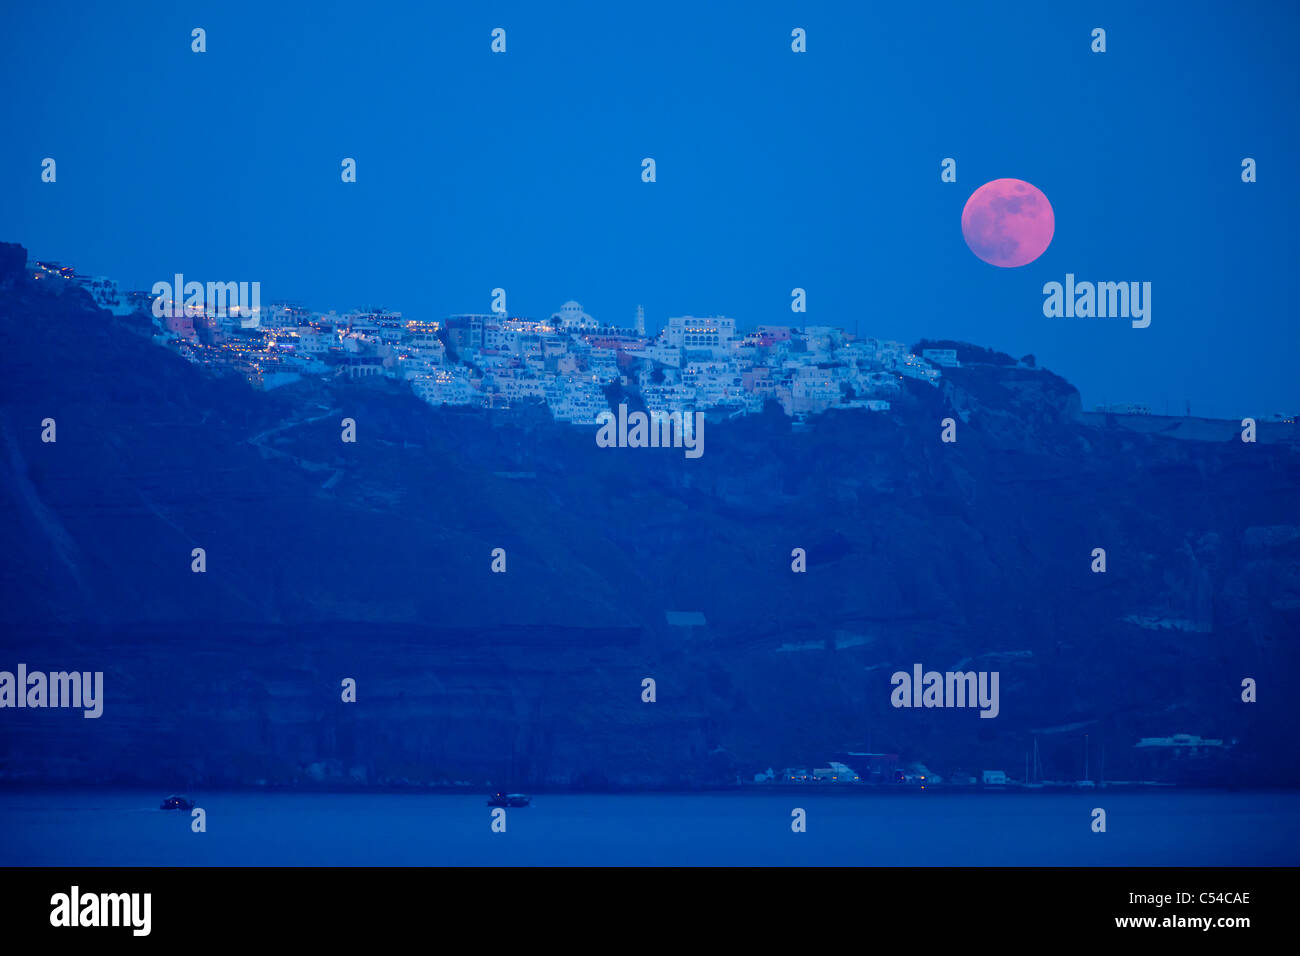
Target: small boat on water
x,y
177,802
508,800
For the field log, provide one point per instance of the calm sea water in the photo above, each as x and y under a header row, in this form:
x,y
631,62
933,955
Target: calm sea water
x,y
122,828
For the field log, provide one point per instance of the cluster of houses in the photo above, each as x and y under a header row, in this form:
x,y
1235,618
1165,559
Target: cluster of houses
x,y
565,361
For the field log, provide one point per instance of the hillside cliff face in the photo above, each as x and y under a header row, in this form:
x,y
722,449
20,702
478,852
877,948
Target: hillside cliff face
x,y
372,560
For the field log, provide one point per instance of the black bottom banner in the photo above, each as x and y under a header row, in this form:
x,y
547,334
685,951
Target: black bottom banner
x,y
923,905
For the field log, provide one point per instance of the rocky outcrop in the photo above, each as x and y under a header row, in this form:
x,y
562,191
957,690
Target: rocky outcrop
x,y
13,263
372,560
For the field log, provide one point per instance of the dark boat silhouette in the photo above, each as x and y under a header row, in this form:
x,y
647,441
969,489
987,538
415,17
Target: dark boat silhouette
x,y
177,802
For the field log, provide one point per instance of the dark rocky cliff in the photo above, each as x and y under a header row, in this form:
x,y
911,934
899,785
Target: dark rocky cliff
x,y
372,560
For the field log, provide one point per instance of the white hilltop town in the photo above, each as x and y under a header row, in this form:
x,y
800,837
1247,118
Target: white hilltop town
x,y
492,360
565,361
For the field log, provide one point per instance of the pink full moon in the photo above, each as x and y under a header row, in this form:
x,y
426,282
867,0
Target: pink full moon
x,y
1008,223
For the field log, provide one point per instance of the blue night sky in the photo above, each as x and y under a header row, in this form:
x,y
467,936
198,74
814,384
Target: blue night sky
x,y
775,170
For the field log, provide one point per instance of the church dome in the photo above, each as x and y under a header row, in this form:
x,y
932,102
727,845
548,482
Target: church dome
x,y
571,314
